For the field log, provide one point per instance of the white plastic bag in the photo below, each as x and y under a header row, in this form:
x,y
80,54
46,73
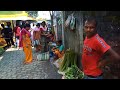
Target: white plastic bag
x,y
72,22
43,56
39,56
67,22
58,62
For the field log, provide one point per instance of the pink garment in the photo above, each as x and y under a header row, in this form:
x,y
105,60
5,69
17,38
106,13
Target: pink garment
x,y
20,39
18,31
23,32
43,28
36,29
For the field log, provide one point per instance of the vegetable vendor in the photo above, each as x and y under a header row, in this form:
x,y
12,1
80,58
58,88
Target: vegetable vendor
x,y
58,50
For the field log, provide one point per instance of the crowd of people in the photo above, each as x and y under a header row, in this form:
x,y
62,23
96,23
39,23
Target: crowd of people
x,y
7,34
27,36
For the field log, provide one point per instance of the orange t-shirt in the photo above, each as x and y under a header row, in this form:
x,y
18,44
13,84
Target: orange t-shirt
x,y
93,50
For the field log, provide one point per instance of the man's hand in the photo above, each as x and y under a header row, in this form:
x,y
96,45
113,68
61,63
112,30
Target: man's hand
x,y
102,64
109,57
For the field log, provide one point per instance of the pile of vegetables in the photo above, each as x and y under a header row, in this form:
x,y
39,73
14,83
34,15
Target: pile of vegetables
x,y
70,59
73,72
1,50
69,67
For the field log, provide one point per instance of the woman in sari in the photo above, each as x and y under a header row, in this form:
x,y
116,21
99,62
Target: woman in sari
x,y
26,44
37,37
43,29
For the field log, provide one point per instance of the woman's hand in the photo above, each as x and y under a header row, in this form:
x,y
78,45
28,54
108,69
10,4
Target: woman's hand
x,y
26,46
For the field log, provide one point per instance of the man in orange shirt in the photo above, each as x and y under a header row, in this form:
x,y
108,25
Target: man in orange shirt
x,y
94,49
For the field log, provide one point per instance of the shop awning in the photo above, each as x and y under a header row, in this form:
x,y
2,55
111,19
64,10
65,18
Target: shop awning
x,y
40,19
14,15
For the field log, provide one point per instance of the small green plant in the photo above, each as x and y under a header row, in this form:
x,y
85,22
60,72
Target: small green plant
x,y
1,51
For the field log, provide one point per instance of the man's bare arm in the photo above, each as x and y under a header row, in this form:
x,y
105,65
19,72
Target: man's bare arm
x,y
110,56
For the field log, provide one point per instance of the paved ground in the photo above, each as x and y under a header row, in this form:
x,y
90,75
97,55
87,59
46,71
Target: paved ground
x,y
12,67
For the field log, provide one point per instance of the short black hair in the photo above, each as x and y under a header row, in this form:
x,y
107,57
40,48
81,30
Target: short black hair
x,y
2,25
90,19
59,41
8,24
17,24
43,22
27,25
38,24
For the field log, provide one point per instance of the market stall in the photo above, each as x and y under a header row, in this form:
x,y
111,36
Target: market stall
x,y
11,16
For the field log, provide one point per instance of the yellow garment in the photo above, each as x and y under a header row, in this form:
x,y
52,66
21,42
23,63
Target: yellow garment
x,y
27,49
2,41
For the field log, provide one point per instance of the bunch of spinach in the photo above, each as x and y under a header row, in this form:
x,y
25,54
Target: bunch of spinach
x,y
73,72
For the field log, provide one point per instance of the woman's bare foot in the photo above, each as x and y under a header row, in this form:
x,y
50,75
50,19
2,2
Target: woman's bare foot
x,y
27,62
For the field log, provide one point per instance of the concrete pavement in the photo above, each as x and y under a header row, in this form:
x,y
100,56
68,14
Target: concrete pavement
x,y
12,67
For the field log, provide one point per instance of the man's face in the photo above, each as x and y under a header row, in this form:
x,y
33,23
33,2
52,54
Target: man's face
x,y
90,28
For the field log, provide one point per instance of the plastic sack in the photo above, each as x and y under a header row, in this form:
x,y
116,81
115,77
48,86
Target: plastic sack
x,y
67,22
43,56
57,63
72,23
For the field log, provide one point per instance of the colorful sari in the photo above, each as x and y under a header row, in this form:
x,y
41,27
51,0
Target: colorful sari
x,y
44,39
26,44
37,36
